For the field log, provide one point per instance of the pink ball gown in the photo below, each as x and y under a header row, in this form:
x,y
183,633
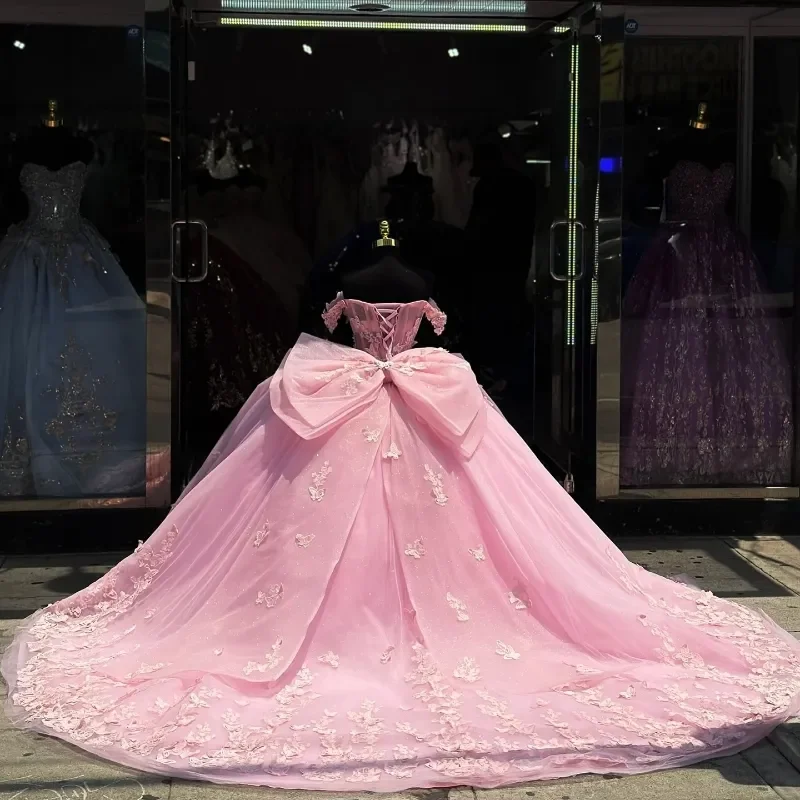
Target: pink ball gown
x,y
374,584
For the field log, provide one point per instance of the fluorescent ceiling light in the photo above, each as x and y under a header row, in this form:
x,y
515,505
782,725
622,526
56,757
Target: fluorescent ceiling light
x,y
375,24
425,7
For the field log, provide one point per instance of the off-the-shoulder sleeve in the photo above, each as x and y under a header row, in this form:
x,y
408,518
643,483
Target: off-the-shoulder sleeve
x,y
333,311
436,317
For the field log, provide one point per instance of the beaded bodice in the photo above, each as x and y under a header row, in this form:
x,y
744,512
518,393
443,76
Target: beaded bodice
x,y
696,192
384,329
54,197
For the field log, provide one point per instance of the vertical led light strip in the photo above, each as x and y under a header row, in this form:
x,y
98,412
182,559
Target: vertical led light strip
x,y
572,194
595,267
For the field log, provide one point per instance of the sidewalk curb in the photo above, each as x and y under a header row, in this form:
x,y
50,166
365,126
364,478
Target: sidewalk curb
x,y
785,740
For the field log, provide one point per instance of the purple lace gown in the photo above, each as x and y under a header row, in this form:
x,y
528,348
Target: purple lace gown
x,y
706,378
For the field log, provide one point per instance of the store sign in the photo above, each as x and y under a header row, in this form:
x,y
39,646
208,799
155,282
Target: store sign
x,y
682,71
631,26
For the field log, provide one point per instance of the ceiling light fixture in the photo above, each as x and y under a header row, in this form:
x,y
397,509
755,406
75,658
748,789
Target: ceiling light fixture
x,y
385,25
424,7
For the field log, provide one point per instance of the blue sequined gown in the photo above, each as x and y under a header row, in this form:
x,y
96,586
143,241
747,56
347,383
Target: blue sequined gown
x,y
72,352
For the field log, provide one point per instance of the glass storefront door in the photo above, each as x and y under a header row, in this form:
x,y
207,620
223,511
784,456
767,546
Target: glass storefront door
x,y
564,286
475,138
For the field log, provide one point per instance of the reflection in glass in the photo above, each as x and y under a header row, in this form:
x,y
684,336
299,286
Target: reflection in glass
x,y
706,374
292,183
72,325
775,203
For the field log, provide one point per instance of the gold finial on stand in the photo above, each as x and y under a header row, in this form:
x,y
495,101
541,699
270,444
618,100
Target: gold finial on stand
x,y
700,122
52,120
385,240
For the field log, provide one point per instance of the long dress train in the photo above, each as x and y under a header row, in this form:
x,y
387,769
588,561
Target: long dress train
x,y
374,582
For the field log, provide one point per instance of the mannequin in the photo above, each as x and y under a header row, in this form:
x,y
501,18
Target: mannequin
x,y
387,276
71,334
54,146
707,379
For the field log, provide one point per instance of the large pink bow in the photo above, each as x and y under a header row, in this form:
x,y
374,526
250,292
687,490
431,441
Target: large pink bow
x,y
321,384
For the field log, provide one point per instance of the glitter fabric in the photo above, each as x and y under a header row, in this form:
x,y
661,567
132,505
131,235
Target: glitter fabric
x,y
706,377
72,351
373,581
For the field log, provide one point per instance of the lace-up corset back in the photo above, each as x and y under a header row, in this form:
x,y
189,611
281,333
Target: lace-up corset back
x,y
696,192
54,198
384,329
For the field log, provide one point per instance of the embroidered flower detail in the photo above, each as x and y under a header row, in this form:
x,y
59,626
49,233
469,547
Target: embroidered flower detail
x,y
628,693
352,384
364,775
507,651
261,534
272,659
317,489
436,317
302,540
331,315
399,772
151,612
371,725
437,487
458,607
386,655
159,706
467,670
371,434
329,658
271,597
393,452
477,553
218,651
146,669
582,669
200,735
516,602
416,549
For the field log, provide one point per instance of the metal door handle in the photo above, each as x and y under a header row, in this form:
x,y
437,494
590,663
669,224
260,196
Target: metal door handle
x,y
176,245
580,250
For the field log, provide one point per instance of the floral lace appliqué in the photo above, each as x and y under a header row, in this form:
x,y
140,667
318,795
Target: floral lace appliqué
x,y
459,607
507,651
467,670
271,597
352,384
477,553
393,452
416,549
317,489
271,660
332,314
437,487
436,317
304,540
330,658
371,434
260,535
516,602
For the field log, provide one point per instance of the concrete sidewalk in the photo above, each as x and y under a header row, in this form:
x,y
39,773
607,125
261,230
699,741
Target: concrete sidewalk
x,y
762,571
